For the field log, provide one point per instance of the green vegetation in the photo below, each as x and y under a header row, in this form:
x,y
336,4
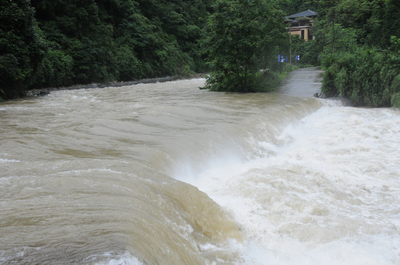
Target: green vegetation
x,y
21,47
309,52
59,43
360,50
241,36
365,76
291,7
275,78
357,43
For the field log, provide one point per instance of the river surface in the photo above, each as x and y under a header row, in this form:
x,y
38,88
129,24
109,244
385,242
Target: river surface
x,y
166,173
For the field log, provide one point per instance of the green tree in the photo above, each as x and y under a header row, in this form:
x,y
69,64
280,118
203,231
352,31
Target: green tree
x,y
291,7
328,14
308,51
84,41
21,47
360,50
120,39
237,35
375,21
75,28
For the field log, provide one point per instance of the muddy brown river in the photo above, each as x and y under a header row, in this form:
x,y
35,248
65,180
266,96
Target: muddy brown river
x,y
167,173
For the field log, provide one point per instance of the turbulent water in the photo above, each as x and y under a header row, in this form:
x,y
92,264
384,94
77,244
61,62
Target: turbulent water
x,y
169,174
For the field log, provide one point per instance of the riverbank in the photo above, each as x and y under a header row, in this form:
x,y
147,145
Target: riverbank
x,y
46,91
279,80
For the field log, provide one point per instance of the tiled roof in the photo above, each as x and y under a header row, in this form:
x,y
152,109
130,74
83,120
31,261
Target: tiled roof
x,y
308,13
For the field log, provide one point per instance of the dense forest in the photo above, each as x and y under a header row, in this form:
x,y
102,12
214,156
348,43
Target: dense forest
x,y
50,43
56,43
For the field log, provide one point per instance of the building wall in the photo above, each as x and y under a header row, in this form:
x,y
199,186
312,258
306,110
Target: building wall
x,y
306,33
296,32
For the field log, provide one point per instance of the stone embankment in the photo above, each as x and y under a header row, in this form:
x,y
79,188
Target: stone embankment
x,y
46,91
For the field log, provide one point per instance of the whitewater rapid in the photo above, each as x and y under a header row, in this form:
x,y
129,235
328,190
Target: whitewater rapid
x,y
326,192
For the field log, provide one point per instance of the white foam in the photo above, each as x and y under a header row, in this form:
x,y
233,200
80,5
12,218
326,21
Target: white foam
x,y
334,102
347,252
328,194
115,259
4,160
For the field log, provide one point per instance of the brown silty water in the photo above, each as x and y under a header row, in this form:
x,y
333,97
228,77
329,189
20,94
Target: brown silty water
x,y
112,176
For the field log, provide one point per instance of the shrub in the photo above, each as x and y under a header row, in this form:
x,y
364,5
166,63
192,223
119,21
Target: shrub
x,y
395,100
367,76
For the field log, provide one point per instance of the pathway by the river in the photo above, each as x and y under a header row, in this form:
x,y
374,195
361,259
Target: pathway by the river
x,y
303,82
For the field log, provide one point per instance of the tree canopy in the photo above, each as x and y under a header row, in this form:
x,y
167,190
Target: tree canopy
x,y
359,50
238,35
21,47
52,43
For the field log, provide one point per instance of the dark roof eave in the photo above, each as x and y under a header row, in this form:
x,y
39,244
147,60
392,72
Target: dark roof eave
x,y
308,13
